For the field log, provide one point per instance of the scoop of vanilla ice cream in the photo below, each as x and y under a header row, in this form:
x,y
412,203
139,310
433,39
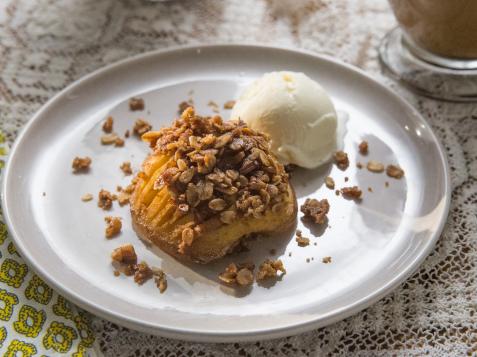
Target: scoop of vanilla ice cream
x,y
296,112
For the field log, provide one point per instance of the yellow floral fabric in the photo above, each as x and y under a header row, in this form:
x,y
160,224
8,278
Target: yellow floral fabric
x,y
34,319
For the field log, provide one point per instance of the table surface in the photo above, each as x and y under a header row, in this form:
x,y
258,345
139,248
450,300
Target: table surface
x,y
47,44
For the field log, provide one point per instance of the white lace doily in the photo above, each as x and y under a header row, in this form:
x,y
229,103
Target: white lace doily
x,y
47,44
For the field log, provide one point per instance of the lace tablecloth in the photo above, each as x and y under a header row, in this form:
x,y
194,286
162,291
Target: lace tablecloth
x,y
47,44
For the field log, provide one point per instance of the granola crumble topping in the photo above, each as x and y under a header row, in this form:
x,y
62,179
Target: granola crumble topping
x,y
302,241
316,210
87,197
141,127
330,183
124,254
375,166
81,164
221,169
229,104
341,159
351,192
136,104
108,125
126,168
269,269
105,199
394,171
363,147
113,227
241,274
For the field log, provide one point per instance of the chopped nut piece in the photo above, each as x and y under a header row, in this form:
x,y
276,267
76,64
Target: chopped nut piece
x,y
330,183
136,104
108,125
394,171
316,210
363,147
126,168
241,274
160,279
351,192
269,269
143,273
375,166
229,104
141,127
341,159
81,164
302,241
359,165
114,226
123,198
108,139
326,260
124,254
105,199
87,197
118,142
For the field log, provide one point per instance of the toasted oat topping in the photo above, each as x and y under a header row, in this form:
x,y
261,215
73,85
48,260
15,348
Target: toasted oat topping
x,y
113,226
329,182
124,254
341,159
302,241
316,210
87,197
326,260
269,269
351,192
142,273
363,147
160,279
81,164
136,104
241,274
141,127
375,166
222,169
105,199
126,168
229,104
108,125
394,171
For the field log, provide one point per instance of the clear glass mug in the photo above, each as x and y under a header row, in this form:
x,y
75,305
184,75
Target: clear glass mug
x,y
434,49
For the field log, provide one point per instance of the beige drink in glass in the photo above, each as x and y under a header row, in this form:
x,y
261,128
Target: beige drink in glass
x,y
434,50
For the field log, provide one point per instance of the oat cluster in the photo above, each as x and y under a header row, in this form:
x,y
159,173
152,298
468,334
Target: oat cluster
x,y
221,168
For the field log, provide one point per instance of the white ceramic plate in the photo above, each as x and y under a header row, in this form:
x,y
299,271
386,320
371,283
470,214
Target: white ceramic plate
x,y
374,245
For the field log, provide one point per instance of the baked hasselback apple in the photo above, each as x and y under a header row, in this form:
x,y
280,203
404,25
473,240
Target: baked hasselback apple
x,y
207,184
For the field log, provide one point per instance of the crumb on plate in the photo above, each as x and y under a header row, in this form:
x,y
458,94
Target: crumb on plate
x,y
316,210
341,159
126,168
113,227
136,103
375,166
87,197
351,192
108,125
394,171
329,182
363,147
81,164
141,127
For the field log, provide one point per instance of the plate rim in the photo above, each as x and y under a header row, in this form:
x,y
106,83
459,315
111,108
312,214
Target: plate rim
x,y
196,335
